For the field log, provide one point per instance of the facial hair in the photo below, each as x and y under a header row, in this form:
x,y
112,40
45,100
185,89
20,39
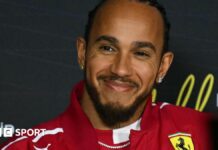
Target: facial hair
x,y
113,114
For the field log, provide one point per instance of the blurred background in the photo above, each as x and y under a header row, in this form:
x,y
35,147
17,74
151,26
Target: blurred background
x,y
38,64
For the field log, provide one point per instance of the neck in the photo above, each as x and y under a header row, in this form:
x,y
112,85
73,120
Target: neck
x,y
90,111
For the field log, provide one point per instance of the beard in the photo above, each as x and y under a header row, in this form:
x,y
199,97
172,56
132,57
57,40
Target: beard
x,y
113,114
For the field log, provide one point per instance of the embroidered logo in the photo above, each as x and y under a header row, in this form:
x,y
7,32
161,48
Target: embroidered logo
x,y
181,141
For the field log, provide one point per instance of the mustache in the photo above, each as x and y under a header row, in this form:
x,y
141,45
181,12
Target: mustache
x,y
118,78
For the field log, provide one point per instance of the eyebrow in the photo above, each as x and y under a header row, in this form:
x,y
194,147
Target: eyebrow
x,y
110,39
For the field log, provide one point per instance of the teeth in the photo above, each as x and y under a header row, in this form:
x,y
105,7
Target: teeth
x,y
118,81
119,85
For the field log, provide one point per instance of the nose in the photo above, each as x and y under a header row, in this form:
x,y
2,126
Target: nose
x,y
121,66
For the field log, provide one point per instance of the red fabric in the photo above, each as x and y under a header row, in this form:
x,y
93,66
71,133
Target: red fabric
x,y
157,124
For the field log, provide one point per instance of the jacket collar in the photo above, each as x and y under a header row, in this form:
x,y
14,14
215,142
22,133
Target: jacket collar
x,y
77,126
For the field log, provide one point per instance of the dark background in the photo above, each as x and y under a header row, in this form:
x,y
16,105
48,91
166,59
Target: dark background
x,y
38,64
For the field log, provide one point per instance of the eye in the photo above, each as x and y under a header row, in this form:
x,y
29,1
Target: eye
x,y
141,54
107,49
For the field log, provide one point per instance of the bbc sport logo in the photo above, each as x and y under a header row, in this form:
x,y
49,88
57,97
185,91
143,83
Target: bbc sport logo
x,y
8,130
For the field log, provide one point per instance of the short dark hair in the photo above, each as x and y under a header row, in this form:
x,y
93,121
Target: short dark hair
x,y
153,3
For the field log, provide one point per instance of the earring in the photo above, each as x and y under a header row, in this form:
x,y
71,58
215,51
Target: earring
x,y
81,66
160,80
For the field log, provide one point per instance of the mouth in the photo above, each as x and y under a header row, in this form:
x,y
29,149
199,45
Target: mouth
x,y
119,86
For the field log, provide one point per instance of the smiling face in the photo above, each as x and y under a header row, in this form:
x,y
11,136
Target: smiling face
x,y
123,58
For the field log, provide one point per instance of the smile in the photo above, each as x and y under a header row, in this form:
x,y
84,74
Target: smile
x,y
118,86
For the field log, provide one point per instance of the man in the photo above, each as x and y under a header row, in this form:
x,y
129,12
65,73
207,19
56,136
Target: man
x,y
124,53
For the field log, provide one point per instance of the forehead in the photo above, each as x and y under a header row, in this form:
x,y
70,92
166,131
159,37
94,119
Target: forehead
x,y
128,21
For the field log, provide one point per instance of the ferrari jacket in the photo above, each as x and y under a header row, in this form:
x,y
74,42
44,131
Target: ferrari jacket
x,y
163,127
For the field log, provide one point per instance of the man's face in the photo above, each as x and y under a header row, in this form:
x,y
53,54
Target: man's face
x,y
123,55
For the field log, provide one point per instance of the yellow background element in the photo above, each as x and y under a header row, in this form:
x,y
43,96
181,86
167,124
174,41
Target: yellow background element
x,y
188,143
188,85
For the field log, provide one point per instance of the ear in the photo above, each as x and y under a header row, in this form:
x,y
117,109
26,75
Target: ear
x,y
166,61
81,51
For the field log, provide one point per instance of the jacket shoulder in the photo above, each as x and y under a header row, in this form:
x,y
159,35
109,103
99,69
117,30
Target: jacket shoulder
x,y
176,119
183,115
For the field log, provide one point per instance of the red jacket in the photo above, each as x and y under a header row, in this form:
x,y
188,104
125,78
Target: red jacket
x,y
161,123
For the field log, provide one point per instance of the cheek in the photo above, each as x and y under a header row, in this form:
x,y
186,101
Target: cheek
x,y
96,65
146,73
